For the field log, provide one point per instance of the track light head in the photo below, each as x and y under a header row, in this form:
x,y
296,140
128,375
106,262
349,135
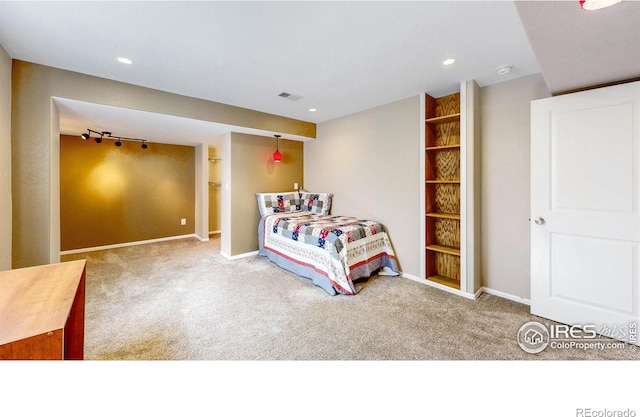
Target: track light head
x,y
118,143
99,140
144,145
85,136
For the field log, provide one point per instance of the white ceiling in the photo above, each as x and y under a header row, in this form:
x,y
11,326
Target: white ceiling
x,y
340,57
578,49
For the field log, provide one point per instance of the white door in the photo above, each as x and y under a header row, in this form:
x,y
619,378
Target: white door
x,y
585,209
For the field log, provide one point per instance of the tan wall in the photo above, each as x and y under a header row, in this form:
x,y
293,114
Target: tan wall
x,y
371,162
375,173
32,140
505,112
253,171
5,160
111,195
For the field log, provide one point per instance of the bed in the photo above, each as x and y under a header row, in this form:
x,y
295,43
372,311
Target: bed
x,y
297,233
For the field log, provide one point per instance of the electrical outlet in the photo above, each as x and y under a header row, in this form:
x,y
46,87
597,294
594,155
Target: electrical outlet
x,y
183,221
295,185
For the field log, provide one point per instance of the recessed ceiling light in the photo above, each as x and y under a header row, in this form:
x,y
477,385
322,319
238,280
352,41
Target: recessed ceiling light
x,y
505,69
125,60
312,109
448,61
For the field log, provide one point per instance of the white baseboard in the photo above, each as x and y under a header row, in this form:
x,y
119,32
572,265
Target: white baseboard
x,y
242,255
507,296
122,245
475,296
467,295
443,287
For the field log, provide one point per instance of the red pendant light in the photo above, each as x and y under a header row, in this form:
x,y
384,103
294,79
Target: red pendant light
x,y
277,156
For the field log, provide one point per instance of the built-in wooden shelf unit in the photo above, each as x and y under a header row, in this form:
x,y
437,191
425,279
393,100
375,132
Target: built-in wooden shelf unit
x,y
449,178
442,181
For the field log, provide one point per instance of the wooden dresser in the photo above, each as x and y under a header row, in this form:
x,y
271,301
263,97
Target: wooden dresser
x,y
42,311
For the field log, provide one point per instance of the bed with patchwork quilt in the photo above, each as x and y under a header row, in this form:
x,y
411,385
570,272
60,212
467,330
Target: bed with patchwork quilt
x,y
297,233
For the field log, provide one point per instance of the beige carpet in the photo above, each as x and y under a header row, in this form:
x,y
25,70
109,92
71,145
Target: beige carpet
x,y
181,300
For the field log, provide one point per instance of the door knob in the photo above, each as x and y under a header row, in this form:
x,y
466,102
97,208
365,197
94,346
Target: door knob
x,y
539,220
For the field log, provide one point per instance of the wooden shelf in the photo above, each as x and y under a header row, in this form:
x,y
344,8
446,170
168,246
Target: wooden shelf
x,y
452,216
446,169
442,181
444,119
442,148
449,282
443,144
444,249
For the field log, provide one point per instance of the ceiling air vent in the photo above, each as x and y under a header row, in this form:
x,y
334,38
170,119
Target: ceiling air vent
x,y
289,96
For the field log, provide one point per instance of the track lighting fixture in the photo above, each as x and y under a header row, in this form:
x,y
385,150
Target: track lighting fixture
x,y
108,135
277,156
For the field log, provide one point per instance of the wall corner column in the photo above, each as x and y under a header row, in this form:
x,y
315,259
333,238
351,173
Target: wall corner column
x,y
6,211
202,192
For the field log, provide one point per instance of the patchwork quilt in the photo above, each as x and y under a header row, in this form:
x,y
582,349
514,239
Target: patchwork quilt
x,y
339,248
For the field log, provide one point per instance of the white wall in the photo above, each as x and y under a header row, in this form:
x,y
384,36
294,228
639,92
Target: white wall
x,y
370,161
505,115
5,160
